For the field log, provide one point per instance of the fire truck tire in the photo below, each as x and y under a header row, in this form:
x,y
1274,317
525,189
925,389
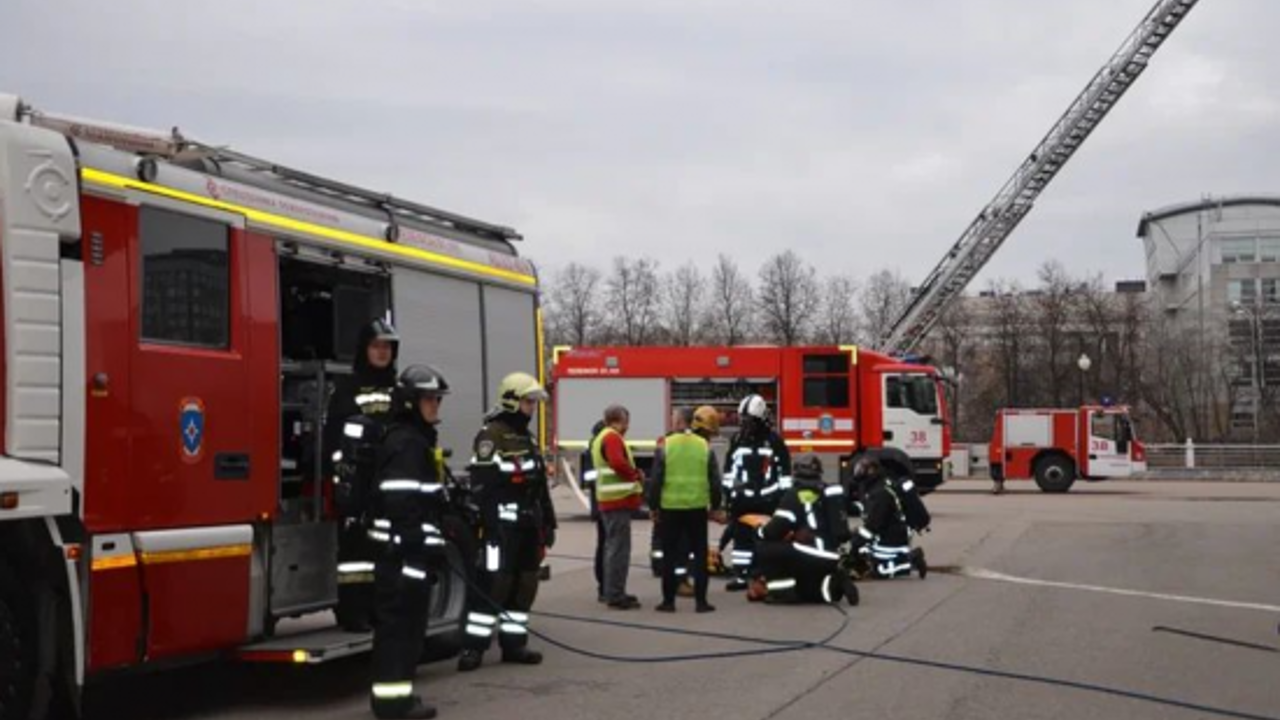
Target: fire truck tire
x,y
17,647
1055,474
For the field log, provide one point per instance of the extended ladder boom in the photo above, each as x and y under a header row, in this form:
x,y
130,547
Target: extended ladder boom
x,y
1014,200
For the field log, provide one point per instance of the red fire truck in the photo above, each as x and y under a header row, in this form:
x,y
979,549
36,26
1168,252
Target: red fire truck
x,y
834,401
173,316
1055,447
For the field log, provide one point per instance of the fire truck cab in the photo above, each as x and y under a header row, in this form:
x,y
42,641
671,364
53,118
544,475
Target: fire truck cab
x,y
1055,447
174,315
834,401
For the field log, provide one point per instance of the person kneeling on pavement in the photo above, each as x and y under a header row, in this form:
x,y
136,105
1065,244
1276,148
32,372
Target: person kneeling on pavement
x,y
892,512
797,553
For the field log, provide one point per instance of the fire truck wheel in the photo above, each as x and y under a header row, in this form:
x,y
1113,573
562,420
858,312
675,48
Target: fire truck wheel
x,y
17,647
1055,474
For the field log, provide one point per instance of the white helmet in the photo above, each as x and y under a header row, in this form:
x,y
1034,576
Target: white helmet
x,y
753,406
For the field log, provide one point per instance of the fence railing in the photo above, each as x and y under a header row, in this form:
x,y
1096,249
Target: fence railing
x,y
1192,456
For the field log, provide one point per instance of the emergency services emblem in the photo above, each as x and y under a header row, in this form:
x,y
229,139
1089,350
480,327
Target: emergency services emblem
x,y
484,450
191,428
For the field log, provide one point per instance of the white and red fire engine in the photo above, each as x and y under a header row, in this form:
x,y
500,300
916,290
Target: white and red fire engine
x,y
834,401
173,316
1055,447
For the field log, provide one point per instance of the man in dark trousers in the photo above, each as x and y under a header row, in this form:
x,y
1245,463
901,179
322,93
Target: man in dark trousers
x,y
358,411
798,556
409,502
757,471
683,494
517,524
681,420
588,480
619,490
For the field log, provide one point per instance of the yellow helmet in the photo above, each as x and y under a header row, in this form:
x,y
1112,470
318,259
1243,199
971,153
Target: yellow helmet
x,y
516,387
707,418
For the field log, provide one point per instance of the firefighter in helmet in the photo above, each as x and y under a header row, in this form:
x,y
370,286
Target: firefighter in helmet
x,y
358,410
409,504
892,512
517,524
798,557
757,472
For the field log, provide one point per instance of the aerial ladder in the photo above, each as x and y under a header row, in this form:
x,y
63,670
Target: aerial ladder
x,y
998,219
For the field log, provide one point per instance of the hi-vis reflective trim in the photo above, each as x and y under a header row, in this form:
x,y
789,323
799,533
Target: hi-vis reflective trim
x,y
213,553
514,616
833,490
433,541
908,486
337,454
892,569
815,552
785,514
479,631
866,533
379,536
106,179
820,443
590,476
513,629
743,451
355,567
399,485
482,619
382,524
114,563
367,398
769,490
351,430
492,558
430,487
430,529
656,554
785,482
826,589
392,691
784,584
414,573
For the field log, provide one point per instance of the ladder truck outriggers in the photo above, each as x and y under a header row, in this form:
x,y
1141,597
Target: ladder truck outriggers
x,y
173,317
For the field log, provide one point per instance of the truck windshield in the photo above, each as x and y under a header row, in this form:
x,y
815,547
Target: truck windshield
x,y
914,392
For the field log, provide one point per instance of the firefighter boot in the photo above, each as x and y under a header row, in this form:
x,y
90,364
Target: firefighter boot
x,y
917,561
412,708
470,659
521,656
849,589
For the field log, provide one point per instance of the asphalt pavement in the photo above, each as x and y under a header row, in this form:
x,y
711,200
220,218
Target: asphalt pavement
x,y
1125,600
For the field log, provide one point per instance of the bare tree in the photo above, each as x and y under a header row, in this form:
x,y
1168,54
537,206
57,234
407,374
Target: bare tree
x,y
633,290
1052,308
883,299
1010,325
573,305
788,298
729,318
951,343
682,304
837,322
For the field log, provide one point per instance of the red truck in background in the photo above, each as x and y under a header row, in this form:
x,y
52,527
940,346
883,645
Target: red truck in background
x,y
1058,446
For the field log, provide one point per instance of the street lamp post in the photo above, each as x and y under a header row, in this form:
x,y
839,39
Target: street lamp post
x,y
1084,363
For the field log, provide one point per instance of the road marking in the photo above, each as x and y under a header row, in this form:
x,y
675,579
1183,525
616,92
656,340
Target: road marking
x,y
984,574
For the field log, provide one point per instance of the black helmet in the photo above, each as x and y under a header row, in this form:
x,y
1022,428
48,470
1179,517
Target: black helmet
x,y
807,467
377,329
416,382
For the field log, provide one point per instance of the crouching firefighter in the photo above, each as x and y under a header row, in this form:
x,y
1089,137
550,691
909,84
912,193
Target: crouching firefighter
x,y
757,471
358,411
798,554
517,525
409,503
892,512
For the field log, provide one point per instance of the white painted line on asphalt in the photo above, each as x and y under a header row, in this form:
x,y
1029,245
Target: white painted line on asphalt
x,y
984,574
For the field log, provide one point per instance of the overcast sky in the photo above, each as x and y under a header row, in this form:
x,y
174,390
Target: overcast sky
x,y
863,134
